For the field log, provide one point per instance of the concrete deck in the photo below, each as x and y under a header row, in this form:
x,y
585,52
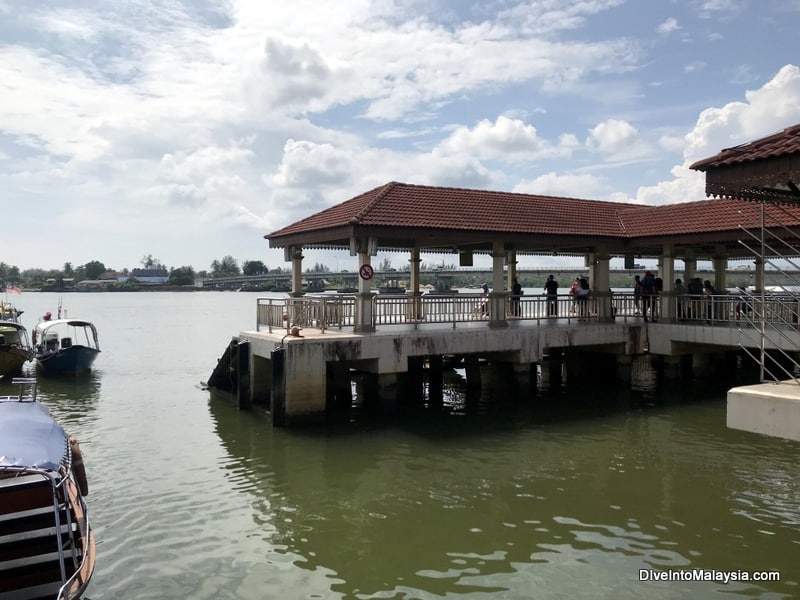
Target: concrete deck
x,y
768,408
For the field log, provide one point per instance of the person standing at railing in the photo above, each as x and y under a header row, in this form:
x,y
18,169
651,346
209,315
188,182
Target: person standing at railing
x,y
551,290
573,293
516,294
649,293
680,296
637,294
695,289
582,298
485,301
708,299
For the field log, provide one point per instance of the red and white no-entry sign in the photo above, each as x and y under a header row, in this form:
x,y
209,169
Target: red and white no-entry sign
x,y
366,272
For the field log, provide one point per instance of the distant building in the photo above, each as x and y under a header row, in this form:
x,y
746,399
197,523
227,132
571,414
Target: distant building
x,y
151,276
58,284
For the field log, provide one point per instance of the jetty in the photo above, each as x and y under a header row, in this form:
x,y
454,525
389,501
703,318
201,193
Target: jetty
x,y
299,360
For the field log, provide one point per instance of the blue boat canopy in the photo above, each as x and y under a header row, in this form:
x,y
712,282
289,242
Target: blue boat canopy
x,y
30,437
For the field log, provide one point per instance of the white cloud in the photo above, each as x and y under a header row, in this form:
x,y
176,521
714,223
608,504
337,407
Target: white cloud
x,y
509,139
767,110
669,26
579,185
612,136
227,121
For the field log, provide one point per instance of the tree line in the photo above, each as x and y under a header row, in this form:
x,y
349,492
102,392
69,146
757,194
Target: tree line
x,y
227,266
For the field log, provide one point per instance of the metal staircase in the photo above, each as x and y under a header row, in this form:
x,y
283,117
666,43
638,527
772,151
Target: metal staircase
x,y
775,307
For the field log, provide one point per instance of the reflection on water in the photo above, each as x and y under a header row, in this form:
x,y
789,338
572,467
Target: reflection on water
x,y
561,495
562,490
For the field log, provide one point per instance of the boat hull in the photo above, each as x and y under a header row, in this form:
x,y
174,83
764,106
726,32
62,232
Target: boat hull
x,y
12,360
72,360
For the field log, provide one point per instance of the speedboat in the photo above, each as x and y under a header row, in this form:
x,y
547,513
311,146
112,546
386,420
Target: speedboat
x,y
15,347
65,345
47,549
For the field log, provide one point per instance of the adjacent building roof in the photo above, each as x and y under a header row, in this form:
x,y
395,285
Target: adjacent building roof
x,y
764,169
400,216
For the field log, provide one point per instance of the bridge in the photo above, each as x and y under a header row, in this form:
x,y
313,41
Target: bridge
x,y
330,280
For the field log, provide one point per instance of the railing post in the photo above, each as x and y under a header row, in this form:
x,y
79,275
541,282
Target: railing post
x,y
365,318
497,309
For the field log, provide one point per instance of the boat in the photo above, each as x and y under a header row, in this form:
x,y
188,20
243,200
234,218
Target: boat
x,y
9,312
66,346
15,347
47,548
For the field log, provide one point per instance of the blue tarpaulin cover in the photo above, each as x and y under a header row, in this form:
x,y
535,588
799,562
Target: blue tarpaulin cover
x,y
30,437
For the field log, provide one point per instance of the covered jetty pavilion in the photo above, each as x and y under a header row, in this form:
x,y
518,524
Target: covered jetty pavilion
x,y
297,361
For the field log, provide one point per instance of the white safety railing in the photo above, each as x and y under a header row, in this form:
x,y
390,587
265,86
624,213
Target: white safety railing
x,y
326,311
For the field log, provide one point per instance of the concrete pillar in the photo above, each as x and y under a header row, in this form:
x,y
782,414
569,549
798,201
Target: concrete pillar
x,y
498,297
338,387
415,300
260,380
600,282
297,271
413,384
243,390
624,368
414,262
388,390
511,259
525,380
553,368
364,297
378,392
472,371
759,274
666,270
435,381
687,367
305,378
720,265
690,267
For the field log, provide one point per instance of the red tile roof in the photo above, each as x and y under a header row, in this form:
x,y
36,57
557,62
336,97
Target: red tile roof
x,y
397,212
405,205
778,144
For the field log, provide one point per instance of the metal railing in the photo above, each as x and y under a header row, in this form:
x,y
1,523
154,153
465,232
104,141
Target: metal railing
x,y
327,311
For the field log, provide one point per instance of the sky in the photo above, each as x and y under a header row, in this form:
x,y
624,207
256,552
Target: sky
x,y
186,130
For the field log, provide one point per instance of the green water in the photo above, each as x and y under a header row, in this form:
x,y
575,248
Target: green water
x,y
562,494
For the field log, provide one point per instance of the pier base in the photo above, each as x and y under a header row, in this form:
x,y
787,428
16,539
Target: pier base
x,y
767,408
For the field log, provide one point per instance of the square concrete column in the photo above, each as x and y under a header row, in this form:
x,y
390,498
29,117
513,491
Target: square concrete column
x,y
415,296
297,271
599,263
759,274
666,270
690,267
305,376
511,259
364,297
720,262
497,298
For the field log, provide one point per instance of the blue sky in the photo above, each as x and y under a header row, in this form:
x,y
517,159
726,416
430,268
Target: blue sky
x,y
187,130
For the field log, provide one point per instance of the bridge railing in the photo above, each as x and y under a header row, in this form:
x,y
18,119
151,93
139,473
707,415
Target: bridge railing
x,y
328,311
